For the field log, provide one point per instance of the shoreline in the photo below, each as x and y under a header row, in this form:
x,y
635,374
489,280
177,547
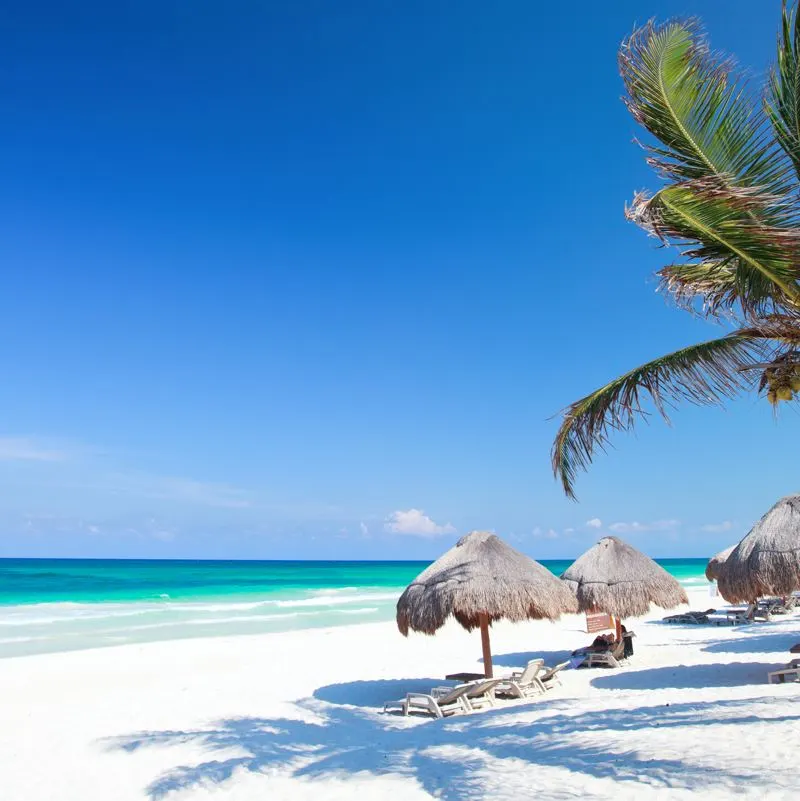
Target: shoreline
x,y
296,715
200,602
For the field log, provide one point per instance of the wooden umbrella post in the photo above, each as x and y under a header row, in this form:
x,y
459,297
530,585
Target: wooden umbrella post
x,y
487,648
618,628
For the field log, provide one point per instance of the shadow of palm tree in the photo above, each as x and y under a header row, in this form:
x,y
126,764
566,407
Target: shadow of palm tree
x,y
373,694
345,740
751,643
519,659
680,677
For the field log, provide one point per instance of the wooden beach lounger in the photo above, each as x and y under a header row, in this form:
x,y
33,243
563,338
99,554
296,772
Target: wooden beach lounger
x,y
439,704
522,684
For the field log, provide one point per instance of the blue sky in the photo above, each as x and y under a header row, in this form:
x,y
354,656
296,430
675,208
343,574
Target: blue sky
x,y
312,279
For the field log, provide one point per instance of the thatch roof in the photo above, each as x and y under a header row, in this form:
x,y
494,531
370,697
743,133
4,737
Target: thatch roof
x,y
767,560
481,574
715,563
613,577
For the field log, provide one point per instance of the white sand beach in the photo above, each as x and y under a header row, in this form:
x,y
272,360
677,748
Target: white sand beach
x,y
297,716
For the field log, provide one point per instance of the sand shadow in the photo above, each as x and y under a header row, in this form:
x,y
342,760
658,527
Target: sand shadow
x,y
521,658
374,694
683,677
778,642
345,740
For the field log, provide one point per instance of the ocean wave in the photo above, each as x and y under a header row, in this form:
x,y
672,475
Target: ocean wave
x,y
85,613
216,621
12,640
63,613
332,600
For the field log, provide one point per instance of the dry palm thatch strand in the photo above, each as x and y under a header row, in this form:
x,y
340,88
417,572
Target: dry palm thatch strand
x,y
614,577
709,288
703,374
717,563
782,327
767,560
481,574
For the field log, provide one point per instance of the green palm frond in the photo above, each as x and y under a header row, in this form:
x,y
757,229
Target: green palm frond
x,y
729,232
730,204
783,99
703,374
706,122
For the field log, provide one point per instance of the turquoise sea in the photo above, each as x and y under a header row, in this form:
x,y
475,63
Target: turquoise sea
x,y
49,605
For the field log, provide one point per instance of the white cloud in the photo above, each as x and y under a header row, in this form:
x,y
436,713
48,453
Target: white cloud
x,y
716,528
24,449
550,534
569,530
416,523
182,490
595,522
364,529
637,528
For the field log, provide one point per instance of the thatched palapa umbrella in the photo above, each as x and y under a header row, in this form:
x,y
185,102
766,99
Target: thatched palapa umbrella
x,y
767,560
479,580
717,563
614,577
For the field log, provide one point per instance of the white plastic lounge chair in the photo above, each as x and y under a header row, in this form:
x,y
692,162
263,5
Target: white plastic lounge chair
x,y
482,693
610,658
601,659
777,606
779,676
549,678
737,616
439,705
759,613
522,684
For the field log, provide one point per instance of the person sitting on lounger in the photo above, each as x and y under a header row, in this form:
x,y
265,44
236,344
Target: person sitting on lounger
x,y
601,643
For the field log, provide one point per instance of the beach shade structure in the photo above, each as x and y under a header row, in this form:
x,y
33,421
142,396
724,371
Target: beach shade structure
x,y
479,580
717,563
614,577
767,560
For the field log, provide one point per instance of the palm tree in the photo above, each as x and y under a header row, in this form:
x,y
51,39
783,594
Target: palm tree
x,y
730,201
